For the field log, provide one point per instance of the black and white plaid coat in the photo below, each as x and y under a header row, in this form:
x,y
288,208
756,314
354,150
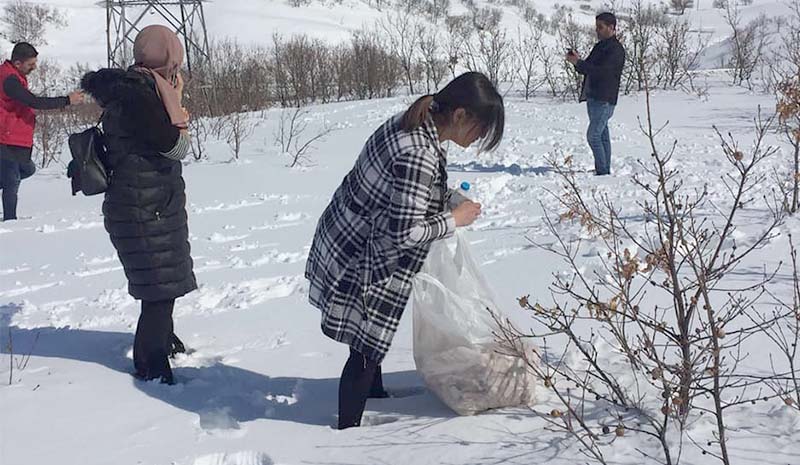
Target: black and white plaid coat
x,y
375,234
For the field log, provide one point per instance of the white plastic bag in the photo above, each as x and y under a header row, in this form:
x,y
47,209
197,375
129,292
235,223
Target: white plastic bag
x,y
454,348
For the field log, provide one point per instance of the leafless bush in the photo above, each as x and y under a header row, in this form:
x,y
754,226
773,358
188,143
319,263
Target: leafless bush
x,y
49,136
28,22
664,301
680,6
747,43
236,128
678,54
402,32
789,119
200,128
785,335
525,53
479,43
236,79
459,31
641,40
21,361
432,55
372,71
291,139
575,36
784,81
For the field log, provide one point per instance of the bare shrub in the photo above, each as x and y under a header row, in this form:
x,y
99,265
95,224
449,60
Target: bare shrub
x,y
665,299
747,43
28,22
402,32
236,128
291,135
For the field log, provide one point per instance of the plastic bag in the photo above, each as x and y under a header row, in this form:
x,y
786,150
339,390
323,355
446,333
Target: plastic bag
x,y
454,348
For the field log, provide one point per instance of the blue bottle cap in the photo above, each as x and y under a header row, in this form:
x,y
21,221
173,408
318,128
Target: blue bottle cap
x,y
465,186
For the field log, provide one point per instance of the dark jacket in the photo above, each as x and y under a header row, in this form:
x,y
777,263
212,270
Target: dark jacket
x,y
602,71
144,205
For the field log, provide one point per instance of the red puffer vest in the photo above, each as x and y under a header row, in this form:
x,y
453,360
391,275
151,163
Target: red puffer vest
x,y
16,120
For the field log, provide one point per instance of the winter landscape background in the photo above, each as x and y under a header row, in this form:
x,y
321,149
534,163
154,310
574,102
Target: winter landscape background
x,y
260,385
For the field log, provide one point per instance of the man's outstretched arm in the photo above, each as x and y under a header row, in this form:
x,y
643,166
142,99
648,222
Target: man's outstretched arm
x,y
15,90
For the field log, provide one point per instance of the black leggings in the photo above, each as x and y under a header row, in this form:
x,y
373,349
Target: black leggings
x,y
361,379
153,342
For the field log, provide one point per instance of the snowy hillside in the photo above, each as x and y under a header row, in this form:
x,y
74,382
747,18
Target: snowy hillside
x,y
255,21
260,387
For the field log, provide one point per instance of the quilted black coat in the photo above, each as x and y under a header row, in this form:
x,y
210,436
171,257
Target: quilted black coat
x,y
145,204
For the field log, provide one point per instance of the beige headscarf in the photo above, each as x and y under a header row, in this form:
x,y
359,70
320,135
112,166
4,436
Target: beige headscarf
x,y
159,53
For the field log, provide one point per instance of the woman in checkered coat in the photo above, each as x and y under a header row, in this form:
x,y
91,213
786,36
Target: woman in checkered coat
x,y
376,232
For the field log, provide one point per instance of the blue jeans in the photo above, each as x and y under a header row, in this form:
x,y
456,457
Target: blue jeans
x,y
11,174
597,134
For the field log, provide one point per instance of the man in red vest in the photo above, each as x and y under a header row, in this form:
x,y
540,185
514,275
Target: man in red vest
x,y
17,122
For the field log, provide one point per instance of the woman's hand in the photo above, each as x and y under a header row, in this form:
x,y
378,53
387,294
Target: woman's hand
x,y
466,213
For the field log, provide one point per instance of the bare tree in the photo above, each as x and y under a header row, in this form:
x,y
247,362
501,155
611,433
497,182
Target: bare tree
x,y
642,25
677,55
236,128
459,32
526,56
290,136
747,43
200,128
49,137
572,35
28,22
403,32
489,50
433,58
372,70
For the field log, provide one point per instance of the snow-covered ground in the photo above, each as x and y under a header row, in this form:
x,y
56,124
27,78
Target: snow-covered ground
x,y
261,386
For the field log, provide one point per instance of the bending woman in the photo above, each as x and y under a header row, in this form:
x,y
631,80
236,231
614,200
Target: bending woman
x,y
376,232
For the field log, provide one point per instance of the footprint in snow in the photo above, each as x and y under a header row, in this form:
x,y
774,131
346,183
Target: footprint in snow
x,y
235,458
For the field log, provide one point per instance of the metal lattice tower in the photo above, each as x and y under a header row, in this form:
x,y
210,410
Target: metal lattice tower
x,y
125,18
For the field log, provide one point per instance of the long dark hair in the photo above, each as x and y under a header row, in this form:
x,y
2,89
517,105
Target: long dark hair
x,y
471,91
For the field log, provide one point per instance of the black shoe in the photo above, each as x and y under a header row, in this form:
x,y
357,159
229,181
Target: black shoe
x,y
176,347
379,394
166,379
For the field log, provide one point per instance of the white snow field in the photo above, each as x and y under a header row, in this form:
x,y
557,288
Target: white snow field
x,y
260,386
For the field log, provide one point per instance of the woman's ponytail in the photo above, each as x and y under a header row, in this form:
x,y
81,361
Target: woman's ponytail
x,y
417,113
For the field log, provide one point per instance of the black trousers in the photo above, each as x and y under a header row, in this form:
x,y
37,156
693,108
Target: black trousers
x,y
153,342
361,379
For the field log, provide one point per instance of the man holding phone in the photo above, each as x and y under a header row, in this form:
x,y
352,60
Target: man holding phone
x,y
602,71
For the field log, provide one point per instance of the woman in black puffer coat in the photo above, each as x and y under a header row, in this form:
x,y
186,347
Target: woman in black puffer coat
x,y
144,207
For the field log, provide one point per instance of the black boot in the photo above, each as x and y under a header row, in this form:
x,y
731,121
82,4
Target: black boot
x,y
376,391
151,346
357,378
